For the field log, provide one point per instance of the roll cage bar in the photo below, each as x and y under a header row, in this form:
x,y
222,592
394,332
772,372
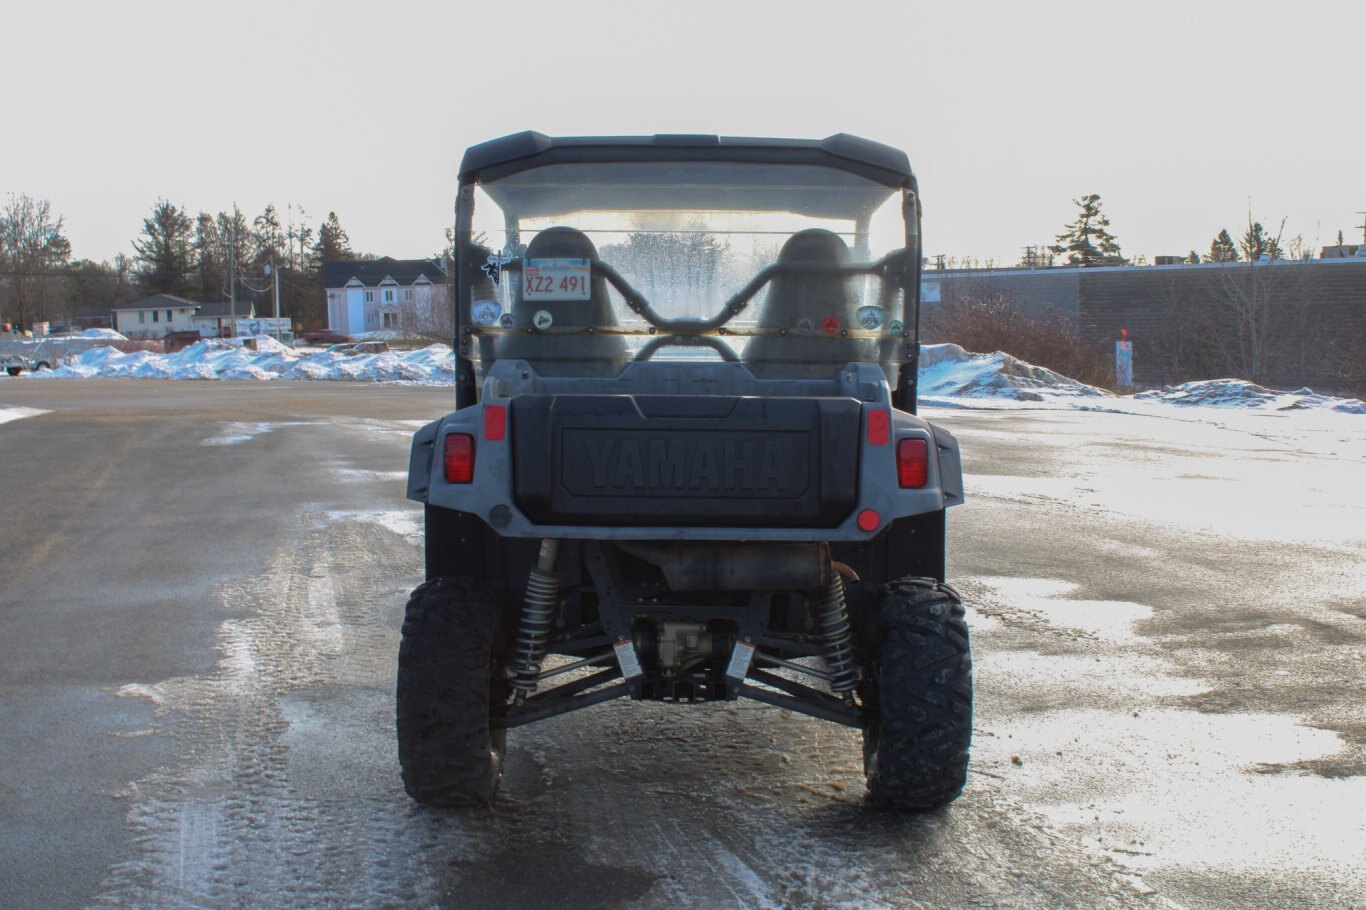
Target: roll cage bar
x,y
885,268
528,150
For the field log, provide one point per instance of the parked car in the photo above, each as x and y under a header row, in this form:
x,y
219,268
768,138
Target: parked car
x,y
326,336
360,347
179,341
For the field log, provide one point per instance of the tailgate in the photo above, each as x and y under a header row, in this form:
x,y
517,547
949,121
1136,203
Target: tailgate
x,y
652,460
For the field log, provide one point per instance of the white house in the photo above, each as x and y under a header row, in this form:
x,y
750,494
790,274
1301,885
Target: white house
x,y
371,295
155,316
215,320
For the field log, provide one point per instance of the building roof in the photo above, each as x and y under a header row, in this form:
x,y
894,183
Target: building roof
x,y
157,302
370,272
221,308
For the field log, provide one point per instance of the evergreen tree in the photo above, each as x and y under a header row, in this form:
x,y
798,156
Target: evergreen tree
x,y
1036,257
1086,240
1222,249
1257,243
333,244
234,240
208,261
1192,258
268,237
163,250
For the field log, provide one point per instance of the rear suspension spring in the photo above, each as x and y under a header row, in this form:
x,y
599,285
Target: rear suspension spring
x,y
832,618
533,631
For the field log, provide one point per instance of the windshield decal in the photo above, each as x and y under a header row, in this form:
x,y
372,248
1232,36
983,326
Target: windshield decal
x,y
870,317
486,312
895,327
543,320
493,267
830,324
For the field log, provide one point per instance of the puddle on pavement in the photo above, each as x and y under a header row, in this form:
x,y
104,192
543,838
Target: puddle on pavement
x,y
237,432
361,475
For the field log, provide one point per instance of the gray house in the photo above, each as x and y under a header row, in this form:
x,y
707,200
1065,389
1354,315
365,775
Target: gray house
x,y
371,295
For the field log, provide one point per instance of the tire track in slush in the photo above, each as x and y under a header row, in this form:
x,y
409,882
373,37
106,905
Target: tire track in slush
x,y
286,792
226,826
742,805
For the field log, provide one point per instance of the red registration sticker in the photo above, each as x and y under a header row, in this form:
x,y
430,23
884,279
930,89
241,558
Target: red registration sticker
x,y
556,279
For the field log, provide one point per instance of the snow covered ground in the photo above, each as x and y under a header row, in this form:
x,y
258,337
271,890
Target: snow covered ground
x,y
7,413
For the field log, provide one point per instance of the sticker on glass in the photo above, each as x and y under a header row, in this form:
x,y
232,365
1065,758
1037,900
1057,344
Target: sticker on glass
x,y
543,320
493,267
486,312
804,325
830,324
870,317
556,279
506,321
895,327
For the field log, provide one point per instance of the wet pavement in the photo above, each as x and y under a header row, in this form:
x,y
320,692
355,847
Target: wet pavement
x,y
201,591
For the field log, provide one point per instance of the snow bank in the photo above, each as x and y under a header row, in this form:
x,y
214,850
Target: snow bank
x,y
1238,393
221,359
949,376
948,372
107,334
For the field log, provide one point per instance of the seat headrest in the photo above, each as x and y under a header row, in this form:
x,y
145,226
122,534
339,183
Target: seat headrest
x,y
561,243
814,245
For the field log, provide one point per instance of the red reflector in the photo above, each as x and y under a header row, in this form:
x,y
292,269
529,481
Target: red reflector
x,y
913,463
869,520
459,458
495,421
879,427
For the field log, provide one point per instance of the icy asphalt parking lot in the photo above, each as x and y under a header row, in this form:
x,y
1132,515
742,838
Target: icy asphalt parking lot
x,y
201,587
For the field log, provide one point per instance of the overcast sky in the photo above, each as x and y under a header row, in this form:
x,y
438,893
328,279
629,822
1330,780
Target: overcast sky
x,y
1177,113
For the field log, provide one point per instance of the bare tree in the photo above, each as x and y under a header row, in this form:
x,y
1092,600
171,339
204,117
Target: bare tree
x,y
33,250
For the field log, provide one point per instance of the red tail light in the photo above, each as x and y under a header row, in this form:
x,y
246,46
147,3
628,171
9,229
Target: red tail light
x,y
495,421
458,458
913,463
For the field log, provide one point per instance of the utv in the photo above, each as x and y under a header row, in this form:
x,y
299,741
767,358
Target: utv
x,y
684,457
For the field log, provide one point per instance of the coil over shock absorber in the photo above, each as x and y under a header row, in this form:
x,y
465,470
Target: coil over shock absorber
x,y
542,594
832,619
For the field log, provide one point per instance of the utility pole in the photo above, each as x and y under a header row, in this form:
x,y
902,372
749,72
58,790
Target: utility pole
x,y
1362,226
232,274
275,273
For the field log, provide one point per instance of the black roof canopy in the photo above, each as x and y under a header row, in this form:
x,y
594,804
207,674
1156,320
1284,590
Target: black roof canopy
x,y
526,150
532,174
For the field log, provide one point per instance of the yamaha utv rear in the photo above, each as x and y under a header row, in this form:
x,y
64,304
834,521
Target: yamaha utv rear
x,y
684,463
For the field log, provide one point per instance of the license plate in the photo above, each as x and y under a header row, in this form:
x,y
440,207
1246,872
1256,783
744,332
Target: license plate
x,y
556,279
